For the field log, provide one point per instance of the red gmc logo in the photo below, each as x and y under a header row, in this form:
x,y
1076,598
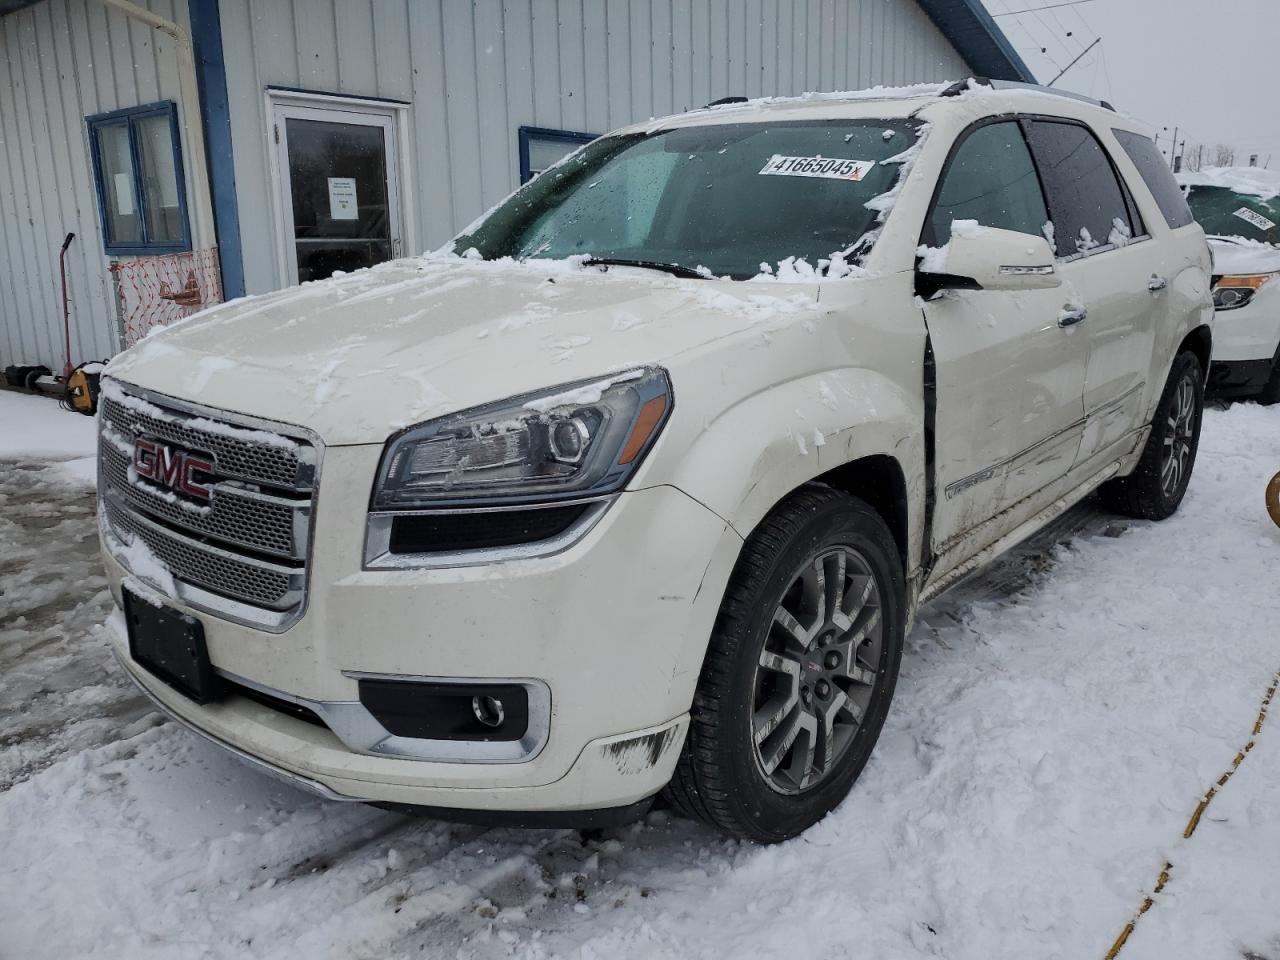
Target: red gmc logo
x,y
170,467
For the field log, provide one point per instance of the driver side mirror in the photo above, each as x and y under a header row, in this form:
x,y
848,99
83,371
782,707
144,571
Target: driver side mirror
x,y
987,258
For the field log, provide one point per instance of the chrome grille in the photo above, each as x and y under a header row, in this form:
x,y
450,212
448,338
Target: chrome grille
x,y
261,584
244,518
241,554
243,456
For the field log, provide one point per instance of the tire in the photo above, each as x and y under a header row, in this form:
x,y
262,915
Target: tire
x,y
757,670
1156,487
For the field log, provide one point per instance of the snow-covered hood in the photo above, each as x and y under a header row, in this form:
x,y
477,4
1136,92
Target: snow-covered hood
x,y
1238,257
357,357
1250,181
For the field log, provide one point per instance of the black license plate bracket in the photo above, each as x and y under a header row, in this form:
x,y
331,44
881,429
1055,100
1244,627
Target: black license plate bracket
x,y
170,645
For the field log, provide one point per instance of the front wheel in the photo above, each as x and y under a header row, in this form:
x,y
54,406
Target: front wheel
x,y
800,670
1156,487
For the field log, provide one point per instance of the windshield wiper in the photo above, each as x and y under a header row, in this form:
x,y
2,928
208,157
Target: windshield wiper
x,y
675,269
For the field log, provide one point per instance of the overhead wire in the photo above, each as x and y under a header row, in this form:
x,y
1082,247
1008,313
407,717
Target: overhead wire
x,y
1043,48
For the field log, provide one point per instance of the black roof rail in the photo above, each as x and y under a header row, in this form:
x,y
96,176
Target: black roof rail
x,y
723,100
961,86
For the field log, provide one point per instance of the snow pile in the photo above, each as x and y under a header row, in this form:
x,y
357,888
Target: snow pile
x,y
35,427
933,259
1250,181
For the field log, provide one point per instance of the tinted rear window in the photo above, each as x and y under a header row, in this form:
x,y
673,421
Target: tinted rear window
x,y
1157,176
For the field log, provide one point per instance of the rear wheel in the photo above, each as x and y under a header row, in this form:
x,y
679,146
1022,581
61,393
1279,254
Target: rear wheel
x,y
799,672
1156,487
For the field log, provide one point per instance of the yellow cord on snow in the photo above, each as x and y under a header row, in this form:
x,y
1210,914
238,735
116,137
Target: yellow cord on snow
x,y
1194,822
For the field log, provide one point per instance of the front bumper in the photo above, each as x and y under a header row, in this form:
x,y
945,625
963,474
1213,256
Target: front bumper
x,y
1251,332
616,627
1239,378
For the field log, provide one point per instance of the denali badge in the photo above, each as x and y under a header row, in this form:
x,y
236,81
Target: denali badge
x,y
171,467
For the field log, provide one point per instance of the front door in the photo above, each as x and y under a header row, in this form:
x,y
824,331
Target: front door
x,y
1010,379
339,190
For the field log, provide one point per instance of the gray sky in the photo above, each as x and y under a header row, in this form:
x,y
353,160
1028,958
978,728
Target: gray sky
x,y
1211,67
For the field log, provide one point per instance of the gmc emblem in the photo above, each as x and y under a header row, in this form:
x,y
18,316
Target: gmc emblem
x,y
171,467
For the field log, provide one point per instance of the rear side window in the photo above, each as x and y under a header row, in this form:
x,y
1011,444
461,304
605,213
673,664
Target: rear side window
x,y
992,180
1086,200
1157,176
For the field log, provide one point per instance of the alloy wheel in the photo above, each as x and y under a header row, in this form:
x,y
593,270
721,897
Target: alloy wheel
x,y
1179,437
817,671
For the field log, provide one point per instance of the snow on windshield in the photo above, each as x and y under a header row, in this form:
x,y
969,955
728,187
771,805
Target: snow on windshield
x,y
786,198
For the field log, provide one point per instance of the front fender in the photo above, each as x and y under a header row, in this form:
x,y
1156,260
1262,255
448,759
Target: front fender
x,y
757,451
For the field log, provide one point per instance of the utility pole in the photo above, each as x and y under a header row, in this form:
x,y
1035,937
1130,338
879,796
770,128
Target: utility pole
x,y
1173,151
1074,62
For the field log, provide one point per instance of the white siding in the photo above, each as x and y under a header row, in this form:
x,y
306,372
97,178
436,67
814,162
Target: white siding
x,y
60,61
476,70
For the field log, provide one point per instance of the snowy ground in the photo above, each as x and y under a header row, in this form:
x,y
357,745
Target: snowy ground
x,y
1057,720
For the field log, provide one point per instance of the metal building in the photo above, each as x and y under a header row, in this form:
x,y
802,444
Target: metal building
x,y
202,149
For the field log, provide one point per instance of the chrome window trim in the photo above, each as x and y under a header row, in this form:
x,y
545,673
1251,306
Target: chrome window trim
x,y
377,544
352,723
1103,248
197,598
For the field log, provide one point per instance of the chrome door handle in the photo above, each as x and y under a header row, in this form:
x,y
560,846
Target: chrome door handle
x,y
1157,284
1070,316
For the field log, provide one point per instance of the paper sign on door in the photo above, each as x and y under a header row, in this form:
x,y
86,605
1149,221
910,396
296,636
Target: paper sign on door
x,y
342,199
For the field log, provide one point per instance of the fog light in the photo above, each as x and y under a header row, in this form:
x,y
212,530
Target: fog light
x,y
488,710
442,710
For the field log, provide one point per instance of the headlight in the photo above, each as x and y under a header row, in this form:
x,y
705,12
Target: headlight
x,y
580,440
1232,293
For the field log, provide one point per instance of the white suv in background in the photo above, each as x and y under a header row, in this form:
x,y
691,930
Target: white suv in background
x,y
1239,208
638,486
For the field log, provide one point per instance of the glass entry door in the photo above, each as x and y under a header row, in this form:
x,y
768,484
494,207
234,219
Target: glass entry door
x,y
340,202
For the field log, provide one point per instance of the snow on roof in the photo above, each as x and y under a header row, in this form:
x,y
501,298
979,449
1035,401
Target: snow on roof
x,y
908,92
1252,181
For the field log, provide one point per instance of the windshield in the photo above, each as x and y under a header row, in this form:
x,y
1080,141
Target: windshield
x,y
734,199
1225,213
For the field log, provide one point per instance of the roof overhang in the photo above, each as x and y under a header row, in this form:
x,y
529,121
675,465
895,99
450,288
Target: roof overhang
x,y
977,39
13,6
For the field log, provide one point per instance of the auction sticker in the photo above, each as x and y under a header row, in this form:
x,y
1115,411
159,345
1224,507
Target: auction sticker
x,y
1257,219
829,168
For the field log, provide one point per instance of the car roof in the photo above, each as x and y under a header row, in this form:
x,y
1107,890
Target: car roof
x,y
928,100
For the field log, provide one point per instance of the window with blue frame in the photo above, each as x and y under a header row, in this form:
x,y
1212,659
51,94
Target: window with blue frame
x,y
540,147
137,169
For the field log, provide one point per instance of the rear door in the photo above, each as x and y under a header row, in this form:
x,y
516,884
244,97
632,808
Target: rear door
x,y
1105,253
1010,378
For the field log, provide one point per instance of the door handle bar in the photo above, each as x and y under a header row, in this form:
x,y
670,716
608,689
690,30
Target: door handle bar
x,y
1070,316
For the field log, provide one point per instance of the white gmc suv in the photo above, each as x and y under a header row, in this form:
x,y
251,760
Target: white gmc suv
x,y
636,487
